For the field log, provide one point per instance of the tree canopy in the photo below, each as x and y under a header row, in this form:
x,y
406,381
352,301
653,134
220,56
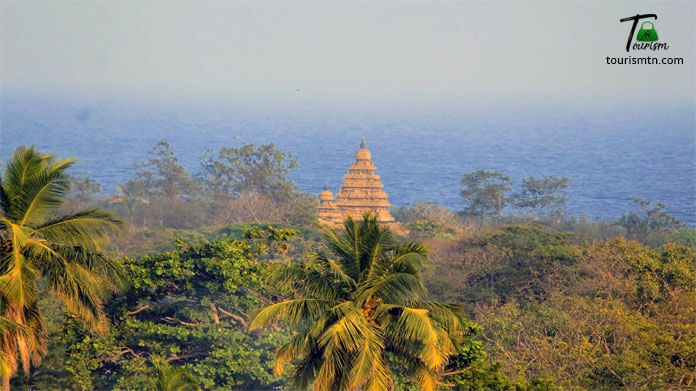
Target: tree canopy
x,y
485,193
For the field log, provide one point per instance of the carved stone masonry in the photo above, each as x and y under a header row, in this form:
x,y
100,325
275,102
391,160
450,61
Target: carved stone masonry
x,y
361,193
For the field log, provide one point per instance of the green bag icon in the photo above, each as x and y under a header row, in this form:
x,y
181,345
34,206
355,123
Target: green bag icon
x,y
647,35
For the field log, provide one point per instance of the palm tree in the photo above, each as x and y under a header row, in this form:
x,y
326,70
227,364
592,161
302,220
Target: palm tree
x,y
169,378
359,302
64,251
10,327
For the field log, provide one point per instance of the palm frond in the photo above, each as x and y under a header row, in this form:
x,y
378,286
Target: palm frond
x,y
36,334
392,288
415,325
331,370
347,332
345,244
337,271
65,251
409,258
108,271
4,201
25,163
81,228
82,293
448,316
369,369
426,378
297,348
8,326
307,369
41,194
17,280
33,184
291,312
306,280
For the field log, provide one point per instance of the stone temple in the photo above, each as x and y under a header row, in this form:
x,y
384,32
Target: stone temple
x,y
361,193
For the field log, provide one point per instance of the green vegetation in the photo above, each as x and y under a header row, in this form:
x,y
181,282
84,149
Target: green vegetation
x,y
64,251
484,193
652,225
226,282
248,184
608,315
356,304
187,308
542,196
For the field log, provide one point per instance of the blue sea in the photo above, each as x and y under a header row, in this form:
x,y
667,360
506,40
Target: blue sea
x,y
610,152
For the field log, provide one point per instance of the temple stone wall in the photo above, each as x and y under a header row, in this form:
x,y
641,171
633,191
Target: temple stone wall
x,y
361,193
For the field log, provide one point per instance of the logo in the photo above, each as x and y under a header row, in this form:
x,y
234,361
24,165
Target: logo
x,y
647,37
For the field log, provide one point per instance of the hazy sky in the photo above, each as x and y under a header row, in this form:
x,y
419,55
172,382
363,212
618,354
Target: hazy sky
x,y
387,50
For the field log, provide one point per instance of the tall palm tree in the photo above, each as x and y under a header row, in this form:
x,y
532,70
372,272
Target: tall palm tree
x,y
357,301
65,251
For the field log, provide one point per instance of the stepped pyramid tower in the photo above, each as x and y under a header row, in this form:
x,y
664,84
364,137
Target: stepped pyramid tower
x,y
361,193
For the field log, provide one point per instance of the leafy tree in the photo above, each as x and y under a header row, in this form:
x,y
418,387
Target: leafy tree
x,y
652,225
543,196
263,169
356,303
162,193
65,251
250,184
188,307
161,176
622,316
522,263
427,220
484,193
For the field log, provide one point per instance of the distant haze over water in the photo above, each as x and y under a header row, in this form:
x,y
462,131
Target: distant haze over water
x,y
610,152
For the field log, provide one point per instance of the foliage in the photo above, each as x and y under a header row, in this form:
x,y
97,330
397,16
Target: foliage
x,y
485,193
189,308
604,315
65,251
169,378
685,236
586,231
237,185
161,176
523,263
83,192
427,220
542,196
355,303
621,320
652,224
263,170
587,310
162,193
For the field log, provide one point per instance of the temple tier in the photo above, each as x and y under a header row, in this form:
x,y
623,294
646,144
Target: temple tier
x,y
361,193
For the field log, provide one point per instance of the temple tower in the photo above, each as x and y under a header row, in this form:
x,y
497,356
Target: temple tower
x,y
361,193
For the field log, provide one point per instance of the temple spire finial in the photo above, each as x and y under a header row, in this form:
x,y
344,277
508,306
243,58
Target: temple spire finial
x,y
362,142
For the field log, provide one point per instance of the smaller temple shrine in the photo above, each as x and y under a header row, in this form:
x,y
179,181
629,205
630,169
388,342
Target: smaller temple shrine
x,y
361,193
